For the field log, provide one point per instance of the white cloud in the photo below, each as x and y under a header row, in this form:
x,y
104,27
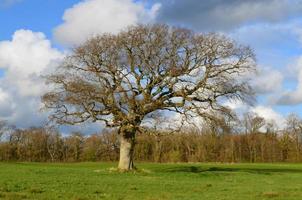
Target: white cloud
x,y
267,80
235,104
6,104
294,97
267,112
24,59
270,115
91,17
276,47
27,53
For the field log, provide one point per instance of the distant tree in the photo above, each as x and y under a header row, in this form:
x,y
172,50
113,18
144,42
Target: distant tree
x,y
74,144
253,123
122,79
294,127
54,144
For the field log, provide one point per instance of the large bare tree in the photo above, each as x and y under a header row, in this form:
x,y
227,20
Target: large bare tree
x,y
122,79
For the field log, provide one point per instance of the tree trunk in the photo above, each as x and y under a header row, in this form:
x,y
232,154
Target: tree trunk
x,y
127,143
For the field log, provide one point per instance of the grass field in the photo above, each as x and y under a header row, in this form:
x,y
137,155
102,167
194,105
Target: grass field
x,y
81,181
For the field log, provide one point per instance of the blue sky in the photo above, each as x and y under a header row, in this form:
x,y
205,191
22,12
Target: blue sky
x,y
32,14
35,36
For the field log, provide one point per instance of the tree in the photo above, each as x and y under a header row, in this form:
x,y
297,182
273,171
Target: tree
x,y
122,79
253,123
74,144
294,126
54,143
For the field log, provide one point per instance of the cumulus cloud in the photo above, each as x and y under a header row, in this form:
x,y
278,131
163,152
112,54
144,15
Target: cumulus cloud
x,y
267,80
24,59
91,17
265,111
270,115
294,97
225,15
276,47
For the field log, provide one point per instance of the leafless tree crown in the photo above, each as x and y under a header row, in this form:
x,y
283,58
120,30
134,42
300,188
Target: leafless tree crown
x,y
120,79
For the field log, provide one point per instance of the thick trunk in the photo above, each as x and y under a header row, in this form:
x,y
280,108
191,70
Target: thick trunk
x,y
127,142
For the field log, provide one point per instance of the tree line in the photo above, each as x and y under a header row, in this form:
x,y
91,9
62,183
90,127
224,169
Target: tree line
x,y
251,139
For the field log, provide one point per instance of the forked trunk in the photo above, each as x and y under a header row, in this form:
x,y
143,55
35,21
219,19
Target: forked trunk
x,y
127,142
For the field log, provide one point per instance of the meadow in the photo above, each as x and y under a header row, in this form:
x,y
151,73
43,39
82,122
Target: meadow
x,y
85,181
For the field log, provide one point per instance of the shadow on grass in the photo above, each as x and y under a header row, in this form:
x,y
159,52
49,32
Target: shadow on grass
x,y
196,169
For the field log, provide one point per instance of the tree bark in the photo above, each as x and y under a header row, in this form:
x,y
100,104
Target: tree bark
x,y
127,143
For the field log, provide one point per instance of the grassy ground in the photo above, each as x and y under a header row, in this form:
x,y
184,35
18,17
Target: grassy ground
x,y
83,181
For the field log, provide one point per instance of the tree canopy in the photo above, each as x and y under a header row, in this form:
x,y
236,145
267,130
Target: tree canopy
x,y
121,79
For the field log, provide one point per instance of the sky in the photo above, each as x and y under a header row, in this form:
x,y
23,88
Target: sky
x,y
35,36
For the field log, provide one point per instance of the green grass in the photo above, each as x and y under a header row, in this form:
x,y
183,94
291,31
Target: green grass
x,y
81,181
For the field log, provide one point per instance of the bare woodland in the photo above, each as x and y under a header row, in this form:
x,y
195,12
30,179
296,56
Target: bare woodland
x,y
251,139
